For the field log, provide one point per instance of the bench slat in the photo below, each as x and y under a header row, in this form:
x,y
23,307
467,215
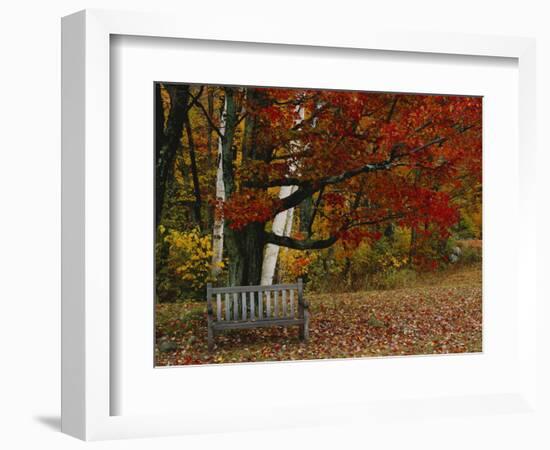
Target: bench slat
x,y
275,307
219,306
256,324
235,306
227,308
238,289
260,305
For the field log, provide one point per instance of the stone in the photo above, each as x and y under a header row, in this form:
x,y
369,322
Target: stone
x,y
167,346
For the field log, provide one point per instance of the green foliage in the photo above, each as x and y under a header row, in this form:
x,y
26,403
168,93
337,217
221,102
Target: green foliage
x,y
466,228
470,255
393,279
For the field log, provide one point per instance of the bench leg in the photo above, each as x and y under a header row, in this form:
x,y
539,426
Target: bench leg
x,y
210,339
210,317
304,328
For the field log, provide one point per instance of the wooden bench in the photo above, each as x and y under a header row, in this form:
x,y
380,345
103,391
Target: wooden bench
x,y
242,307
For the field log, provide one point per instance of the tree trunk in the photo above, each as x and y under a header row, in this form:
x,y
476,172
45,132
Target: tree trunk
x,y
412,246
210,212
245,251
282,226
306,211
167,139
210,105
254,249
289,218
245,246
194,172
218,228
282,223
232,238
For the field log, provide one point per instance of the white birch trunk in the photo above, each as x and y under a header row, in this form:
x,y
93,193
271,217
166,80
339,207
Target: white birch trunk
x,y
217,238
289,217
282,226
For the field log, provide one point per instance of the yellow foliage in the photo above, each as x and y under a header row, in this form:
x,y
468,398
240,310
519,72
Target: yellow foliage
x,y
295,263
190,257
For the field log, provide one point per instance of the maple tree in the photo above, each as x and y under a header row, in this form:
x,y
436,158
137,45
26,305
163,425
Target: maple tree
x,y
356,161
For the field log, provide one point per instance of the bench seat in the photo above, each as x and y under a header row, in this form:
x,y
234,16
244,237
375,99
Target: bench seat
x,y
245,307
236,325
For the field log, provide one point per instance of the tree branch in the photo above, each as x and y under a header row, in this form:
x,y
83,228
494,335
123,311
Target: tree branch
x,y
240,119
392,109
310,119
438,140
373,221
299,244
292,155
317,203
319,244
196,102
307,188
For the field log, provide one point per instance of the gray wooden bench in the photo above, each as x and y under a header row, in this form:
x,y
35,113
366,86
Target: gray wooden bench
x,y
242,307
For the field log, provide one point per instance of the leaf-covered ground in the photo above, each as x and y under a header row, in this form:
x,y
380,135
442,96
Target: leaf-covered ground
x,y
442,314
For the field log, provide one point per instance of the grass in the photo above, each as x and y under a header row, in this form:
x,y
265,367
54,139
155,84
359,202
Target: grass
x,y
440,313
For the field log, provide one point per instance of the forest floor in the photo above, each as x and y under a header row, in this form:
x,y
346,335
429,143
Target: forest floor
x,y
441,313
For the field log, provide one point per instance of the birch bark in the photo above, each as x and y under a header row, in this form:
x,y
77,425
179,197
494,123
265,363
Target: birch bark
x,y
282,226
282,223
217,238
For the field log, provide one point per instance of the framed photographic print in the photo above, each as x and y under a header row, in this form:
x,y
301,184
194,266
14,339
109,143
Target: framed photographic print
x,y
293,222
313,224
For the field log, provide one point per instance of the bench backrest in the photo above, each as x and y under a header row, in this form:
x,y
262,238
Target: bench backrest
x,y
249,303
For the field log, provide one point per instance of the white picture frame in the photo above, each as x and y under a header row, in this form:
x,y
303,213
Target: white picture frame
x,y
86,324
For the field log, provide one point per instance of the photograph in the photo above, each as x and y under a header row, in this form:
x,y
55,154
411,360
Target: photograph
x,y
298,224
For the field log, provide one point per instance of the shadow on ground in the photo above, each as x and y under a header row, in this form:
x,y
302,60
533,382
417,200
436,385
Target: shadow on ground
x,y
51,422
